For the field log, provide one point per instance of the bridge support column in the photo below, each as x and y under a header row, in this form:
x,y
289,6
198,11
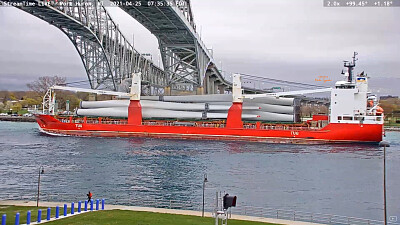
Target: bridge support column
x,y
211,86
216,86
167,90
200,91
221,89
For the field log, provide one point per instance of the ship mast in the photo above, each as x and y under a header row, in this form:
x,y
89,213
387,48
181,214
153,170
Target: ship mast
x,y
350,67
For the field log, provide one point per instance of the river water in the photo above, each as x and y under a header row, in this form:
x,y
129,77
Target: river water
x,y
334,179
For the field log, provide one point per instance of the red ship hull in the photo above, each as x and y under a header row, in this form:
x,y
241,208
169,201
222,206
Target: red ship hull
x,y
331,133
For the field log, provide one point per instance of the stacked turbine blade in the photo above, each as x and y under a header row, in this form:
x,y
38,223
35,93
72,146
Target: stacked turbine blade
x,y
194,107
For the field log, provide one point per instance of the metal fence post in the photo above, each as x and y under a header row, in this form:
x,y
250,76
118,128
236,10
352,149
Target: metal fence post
x,y
170,204
277,214
294,215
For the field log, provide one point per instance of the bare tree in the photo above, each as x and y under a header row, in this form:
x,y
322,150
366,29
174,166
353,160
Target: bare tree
x,y
41,85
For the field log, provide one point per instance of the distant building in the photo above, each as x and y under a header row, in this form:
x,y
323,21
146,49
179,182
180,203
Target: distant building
x,y
388,97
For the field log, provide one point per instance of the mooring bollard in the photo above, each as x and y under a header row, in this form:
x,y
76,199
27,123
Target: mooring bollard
x,y
57,212
65,209
97,204
39,216
3,219
91,204
28,217
72,208
48,213
79,206
17,219
85,205
102,204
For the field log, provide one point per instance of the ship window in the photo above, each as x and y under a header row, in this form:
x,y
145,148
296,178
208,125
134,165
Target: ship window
x,y
335,94
339,118
347,118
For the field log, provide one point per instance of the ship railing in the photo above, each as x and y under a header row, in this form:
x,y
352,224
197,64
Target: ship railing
x,y
93,120
114,122
286,127
185,124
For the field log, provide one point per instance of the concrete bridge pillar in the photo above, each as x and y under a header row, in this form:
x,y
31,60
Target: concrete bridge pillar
x,y
200,91
167,90
221,89
216,86
211,85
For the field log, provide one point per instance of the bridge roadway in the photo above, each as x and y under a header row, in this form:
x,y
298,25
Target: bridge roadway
x,y
110,59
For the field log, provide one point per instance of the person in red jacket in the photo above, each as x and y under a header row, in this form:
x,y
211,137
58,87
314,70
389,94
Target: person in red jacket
x,y
89,195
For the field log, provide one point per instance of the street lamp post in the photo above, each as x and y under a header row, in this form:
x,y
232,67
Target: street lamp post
x,y
384,144
41,171
204,187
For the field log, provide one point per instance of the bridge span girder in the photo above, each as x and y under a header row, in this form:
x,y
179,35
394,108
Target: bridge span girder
x,y
108,57
184,55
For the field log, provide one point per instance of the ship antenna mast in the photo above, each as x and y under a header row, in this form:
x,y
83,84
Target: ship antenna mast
x,y
350,67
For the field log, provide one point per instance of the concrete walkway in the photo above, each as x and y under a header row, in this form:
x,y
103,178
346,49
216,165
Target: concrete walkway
x,y
158,210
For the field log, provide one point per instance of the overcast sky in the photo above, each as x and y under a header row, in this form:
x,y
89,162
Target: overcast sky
x,y
295,40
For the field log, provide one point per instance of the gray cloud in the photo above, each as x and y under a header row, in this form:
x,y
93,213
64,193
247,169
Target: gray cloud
x,y
287,39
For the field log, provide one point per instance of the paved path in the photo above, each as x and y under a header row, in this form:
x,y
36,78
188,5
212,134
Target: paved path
x,y
159,210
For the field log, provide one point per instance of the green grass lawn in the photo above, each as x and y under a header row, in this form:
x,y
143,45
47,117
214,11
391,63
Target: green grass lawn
x,y
10,211
124,217
113,217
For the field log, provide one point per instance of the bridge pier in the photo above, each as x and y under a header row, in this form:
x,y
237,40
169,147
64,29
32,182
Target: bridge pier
x,y
167,90
200,91
210,85
216,86
221,89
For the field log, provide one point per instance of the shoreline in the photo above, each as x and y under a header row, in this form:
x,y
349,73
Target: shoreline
x,y
17,118
160,210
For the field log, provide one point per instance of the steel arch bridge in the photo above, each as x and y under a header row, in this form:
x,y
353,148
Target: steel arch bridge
x,y
110,59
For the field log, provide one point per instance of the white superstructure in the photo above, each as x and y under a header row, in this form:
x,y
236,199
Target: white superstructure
x,y
350,102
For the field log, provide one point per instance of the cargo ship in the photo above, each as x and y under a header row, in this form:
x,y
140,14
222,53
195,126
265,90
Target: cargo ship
x,y
354,116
